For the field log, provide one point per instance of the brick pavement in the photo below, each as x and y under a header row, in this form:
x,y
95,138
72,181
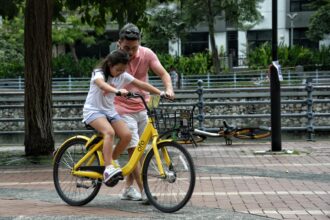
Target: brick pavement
x,y
232,183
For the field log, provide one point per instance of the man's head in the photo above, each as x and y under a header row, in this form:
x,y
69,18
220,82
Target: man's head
x,y
129,39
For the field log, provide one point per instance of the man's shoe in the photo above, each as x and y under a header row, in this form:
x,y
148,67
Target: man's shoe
x,y
131,193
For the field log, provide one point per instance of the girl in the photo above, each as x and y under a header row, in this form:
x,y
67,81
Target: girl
x,y
108,80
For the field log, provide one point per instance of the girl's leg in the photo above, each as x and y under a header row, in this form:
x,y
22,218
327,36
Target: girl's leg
x,y
102,125
124,136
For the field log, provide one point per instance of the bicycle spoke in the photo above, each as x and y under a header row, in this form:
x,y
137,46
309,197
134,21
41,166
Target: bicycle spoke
x,y
74,190
174,190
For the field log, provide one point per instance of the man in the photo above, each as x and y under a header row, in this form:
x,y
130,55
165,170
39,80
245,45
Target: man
x,y
132,110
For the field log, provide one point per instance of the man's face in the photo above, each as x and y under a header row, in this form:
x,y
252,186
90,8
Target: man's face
x,y
130,46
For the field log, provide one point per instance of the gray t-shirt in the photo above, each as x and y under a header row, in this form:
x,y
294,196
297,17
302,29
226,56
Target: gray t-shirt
x,y
96,101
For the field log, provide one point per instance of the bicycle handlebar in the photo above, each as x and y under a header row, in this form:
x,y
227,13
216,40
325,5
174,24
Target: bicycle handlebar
x,y
141,96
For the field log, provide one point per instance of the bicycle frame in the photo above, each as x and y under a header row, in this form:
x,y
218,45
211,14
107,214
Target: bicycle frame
x,y
149,133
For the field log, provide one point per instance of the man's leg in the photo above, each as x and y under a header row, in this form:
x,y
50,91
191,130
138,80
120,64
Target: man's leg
x,y
129,193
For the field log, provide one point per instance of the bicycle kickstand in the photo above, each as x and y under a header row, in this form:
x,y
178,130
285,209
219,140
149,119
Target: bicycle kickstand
x,y
228,141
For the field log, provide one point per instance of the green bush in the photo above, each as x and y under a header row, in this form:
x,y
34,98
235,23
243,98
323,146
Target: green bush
x,y
11,48
196,64
64,65
261,57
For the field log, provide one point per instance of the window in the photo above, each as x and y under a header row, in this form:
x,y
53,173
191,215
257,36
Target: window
x,y
300,5
257,38
299,38
195,43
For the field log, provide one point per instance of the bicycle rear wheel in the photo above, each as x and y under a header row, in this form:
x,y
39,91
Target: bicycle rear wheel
x,y
170,192
251,133
74,190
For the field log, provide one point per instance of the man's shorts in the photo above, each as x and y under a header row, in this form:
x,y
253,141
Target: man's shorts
x,y
136,123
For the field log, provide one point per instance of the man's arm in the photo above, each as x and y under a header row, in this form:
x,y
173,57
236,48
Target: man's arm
x,y
160,71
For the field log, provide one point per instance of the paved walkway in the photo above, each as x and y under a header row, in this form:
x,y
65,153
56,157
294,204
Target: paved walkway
x,y
242,181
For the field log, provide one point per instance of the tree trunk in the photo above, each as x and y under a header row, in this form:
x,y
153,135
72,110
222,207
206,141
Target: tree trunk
x,y
73,52
210,21
39,139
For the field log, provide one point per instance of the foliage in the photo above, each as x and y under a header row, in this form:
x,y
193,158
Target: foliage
x,y
64,65
261,57
164,24
195,64
319,22
71,31
11,48
95,12
238,13
9,9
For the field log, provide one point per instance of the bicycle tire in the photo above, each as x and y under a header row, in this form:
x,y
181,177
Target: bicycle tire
x,y
171,192
251,133
188,138
74,190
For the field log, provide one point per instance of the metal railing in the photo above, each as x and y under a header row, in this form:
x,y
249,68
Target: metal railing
x,y
310,95
236,79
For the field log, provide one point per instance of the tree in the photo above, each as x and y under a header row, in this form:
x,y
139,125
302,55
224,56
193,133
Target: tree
x,y
163,25
39,139
94,12
9,8
71,31
239,12
319,22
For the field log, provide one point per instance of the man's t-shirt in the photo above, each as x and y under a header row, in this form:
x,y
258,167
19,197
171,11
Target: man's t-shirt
x,y
138,67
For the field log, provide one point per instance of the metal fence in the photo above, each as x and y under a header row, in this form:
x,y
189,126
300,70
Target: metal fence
x,y
236,79
309,95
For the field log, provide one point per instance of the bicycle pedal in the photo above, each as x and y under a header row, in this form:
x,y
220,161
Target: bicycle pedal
x,y
114,180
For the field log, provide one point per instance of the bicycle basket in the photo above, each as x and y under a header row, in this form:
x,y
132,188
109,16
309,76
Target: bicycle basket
x,y
167,119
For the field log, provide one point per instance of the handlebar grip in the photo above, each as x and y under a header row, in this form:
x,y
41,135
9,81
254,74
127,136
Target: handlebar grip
x,y
118,93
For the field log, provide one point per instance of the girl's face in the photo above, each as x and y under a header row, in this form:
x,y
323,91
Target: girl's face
x,y
118,69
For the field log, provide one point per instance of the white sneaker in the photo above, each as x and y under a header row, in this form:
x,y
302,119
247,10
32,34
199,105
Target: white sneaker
x,y
131,193
109,172
144,198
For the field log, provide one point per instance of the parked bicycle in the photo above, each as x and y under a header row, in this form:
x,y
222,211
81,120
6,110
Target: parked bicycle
x,y
229,131
168,171
182,129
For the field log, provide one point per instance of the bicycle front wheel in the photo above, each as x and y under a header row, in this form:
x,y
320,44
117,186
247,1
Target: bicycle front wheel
x,y
251,133
74,190
170,192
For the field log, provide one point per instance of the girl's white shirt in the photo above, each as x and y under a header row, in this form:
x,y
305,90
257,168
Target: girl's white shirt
x,y
96,101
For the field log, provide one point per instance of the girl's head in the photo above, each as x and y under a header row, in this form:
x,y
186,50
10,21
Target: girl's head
x,y
115,63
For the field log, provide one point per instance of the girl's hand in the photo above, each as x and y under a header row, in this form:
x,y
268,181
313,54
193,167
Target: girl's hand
x,y
122,92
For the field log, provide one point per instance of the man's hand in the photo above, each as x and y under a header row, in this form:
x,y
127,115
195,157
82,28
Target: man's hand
x,y
169,93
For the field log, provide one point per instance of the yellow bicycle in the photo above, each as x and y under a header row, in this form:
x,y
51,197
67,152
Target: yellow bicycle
x,y
168,172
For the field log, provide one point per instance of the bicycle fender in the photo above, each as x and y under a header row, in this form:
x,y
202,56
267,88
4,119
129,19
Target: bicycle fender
x,y
66,141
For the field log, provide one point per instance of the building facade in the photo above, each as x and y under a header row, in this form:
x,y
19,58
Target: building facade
x,y
293,21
